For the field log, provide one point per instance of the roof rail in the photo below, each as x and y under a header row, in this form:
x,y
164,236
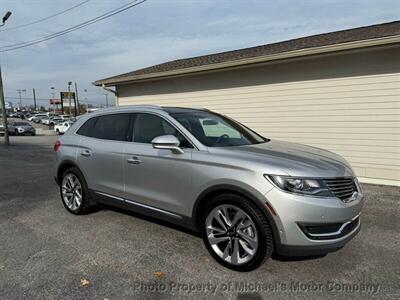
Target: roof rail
x,y
143,105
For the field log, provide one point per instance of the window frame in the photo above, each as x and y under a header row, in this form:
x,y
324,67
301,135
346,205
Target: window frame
x,y
163,118
130,129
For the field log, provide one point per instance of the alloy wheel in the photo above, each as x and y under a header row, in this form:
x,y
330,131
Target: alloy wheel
x,y
232,234
71,189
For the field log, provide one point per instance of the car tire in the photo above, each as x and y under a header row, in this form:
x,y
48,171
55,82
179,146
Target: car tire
x,y
57,132
77,177
258,239
16,132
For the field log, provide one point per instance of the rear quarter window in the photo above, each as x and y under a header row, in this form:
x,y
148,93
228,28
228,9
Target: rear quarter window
x,y
87,128
112,127
107,127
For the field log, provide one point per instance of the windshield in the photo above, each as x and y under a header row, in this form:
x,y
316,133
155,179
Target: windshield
x,y
214,130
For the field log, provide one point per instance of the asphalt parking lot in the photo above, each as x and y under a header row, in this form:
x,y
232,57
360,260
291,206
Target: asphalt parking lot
x,y
45,252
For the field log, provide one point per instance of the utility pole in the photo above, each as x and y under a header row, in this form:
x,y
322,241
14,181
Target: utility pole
x,y
2,102
34,99
69,97
20,99
85,100
3,112
53,94
76,99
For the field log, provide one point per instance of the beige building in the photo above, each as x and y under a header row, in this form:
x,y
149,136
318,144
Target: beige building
x,y
339,91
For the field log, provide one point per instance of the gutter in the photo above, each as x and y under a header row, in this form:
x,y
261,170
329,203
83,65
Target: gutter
x,y
253,60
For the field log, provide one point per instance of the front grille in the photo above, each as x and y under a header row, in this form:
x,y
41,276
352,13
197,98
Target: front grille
x,y
343,188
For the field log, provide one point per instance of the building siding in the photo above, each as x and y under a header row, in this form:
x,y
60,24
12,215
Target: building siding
x,y
348,103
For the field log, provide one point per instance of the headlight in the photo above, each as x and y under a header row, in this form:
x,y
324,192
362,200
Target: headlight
x,y
303,186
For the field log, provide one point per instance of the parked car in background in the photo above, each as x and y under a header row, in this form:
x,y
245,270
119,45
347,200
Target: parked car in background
x,y
65,117
1,129
26,114
17,114
21,128
248,195
37,117
55,120
45,120
31,117
62,127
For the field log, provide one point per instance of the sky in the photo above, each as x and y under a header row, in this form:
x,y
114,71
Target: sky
x,y
154,32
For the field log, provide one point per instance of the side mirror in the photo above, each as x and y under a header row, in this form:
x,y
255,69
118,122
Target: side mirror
x,y
167,142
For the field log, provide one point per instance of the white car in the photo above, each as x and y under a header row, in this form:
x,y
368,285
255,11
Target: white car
x,y
55,120
62,127
65,117
33,117
45,121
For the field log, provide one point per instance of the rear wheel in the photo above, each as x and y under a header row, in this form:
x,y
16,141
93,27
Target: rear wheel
x,y
237,233
74,192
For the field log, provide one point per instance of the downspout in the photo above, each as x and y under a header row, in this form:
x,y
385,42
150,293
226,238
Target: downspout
x,y
113,92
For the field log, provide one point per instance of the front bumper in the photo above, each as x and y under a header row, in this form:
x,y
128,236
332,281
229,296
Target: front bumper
x,y
26,131
288,250
313,225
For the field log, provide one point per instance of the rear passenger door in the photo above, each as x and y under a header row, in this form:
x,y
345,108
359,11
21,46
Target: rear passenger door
x,y
157,177
101,152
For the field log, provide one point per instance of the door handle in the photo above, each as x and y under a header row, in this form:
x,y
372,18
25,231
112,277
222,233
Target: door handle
x,y
86,153
134,160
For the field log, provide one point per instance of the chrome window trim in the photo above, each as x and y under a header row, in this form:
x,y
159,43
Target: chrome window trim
x,y
133,112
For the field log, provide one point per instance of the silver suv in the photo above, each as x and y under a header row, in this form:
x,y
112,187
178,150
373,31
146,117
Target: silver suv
x,y
248,195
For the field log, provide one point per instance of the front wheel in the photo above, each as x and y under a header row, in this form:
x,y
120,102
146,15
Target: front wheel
x,y
237,233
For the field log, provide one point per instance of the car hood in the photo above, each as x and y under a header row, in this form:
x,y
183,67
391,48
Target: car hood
x,y
295,159
26,127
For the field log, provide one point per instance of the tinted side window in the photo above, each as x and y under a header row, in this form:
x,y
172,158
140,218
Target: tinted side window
x,y
147,126
86,128
112,127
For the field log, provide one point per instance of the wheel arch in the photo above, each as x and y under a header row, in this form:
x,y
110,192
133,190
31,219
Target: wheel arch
x,y
219,189
63,166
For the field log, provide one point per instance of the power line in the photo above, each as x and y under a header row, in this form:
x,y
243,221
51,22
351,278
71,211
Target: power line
x,y
43,90
12,99
73,28
46,18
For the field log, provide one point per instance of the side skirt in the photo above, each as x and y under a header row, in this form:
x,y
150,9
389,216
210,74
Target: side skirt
x,y
144,209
